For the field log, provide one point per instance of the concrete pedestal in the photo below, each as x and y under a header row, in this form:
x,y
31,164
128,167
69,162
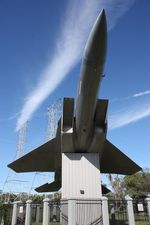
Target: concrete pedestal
x,y
81,186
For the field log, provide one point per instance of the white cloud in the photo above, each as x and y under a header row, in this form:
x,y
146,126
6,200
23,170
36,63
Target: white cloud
x,y
128,116
79,17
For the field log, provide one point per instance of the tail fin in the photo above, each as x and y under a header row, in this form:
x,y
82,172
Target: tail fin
x,y
49,187
115,161
105,190
41,159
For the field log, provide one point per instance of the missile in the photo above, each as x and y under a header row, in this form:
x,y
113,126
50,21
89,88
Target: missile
x,y
82,128
91,75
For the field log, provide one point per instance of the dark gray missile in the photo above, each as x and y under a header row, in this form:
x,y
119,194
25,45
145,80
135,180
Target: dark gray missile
x,y
83,129
91,74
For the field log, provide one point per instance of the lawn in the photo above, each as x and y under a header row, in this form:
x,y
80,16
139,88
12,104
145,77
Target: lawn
x,y
141,223
126,223
57,223
51,223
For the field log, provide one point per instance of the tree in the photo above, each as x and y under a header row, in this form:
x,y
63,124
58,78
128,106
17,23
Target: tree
x,y
37,199
138,184
116,183
5,213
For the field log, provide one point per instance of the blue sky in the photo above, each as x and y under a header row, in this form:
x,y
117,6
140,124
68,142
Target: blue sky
x,y
41,44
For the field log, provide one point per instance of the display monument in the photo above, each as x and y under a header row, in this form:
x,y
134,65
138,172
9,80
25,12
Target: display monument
x,y
80,150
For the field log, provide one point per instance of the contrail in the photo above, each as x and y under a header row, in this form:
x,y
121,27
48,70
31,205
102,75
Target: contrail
x,y
115,9
141,93
130,115
79,18
136,95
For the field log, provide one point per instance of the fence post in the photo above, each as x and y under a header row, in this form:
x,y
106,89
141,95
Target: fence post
x,y
46,213
105,213
15,212
148,207
130,211
2,221
28,212
71,212
54,212
38,214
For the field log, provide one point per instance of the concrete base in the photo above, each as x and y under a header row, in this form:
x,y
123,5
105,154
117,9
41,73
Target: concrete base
x,y
81,189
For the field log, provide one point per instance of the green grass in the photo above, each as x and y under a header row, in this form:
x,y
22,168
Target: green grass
x,y
57,223
52,223
117,222
141,223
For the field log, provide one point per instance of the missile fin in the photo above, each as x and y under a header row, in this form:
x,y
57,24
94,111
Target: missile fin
x,y
41,159
49,187
105,190
115,161
101,112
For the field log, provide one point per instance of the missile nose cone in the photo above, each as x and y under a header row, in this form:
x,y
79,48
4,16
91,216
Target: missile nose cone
x,y
95,49
102,14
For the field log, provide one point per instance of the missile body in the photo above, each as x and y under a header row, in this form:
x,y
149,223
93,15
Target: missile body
x,y
85,130
90,78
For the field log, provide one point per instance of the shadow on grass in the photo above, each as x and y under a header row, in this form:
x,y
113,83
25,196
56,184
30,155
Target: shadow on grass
x,y
118,222
51,223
